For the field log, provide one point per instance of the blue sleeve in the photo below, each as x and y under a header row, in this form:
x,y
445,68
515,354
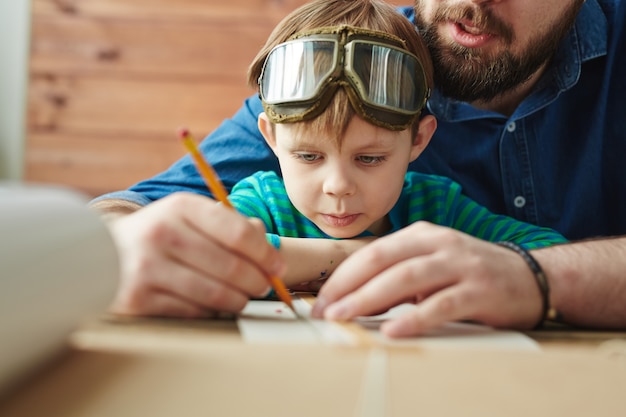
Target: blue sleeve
x,y
273,239
236,149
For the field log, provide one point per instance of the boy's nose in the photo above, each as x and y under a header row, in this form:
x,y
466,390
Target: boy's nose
x,y
338,183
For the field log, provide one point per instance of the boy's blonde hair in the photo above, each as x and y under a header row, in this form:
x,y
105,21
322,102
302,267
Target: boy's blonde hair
x,y
369,14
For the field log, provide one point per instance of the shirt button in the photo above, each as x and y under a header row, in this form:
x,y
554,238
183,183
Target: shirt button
x,y
519,201
511,127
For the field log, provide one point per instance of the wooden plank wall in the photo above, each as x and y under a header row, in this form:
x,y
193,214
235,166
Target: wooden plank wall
x,y
111,80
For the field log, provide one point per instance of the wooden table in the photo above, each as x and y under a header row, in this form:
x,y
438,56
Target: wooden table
x,y
160,367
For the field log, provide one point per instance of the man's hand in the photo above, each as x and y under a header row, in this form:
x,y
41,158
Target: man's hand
x,y
188,256
450,275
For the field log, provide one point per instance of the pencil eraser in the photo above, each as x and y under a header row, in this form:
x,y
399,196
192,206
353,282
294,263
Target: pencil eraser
x,y
183,132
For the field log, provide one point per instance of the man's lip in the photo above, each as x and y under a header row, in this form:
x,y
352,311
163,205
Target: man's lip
x,y
468,26
467,35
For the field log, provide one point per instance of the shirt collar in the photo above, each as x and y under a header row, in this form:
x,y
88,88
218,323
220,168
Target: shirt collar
x,y
586,41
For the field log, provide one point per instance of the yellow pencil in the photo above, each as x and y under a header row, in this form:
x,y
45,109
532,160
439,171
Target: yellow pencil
x,y
217,188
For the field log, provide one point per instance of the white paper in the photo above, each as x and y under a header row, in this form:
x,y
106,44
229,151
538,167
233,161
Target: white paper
x,y
451,335
272,322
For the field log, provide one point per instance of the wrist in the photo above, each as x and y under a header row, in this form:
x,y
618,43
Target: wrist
x,y
548,312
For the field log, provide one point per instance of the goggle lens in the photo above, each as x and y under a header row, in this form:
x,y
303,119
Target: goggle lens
x,y
295,71
389,80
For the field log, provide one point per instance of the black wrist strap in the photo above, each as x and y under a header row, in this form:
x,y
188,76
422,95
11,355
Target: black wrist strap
x,y
548,312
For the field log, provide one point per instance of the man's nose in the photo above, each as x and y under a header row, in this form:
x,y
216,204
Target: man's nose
x,y
486,1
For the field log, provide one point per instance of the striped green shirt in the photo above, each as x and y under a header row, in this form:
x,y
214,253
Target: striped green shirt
x,y
424,197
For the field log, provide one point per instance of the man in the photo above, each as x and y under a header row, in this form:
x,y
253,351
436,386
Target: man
x,y
530,106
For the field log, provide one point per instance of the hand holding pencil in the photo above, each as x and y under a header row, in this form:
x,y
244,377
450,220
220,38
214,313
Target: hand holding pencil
x,y
217,188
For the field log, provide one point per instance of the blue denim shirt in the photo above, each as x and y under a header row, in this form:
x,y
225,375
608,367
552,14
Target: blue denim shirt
x,y
555,162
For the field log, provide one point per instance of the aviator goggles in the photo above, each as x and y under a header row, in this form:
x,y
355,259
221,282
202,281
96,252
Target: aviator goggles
x,y
385,83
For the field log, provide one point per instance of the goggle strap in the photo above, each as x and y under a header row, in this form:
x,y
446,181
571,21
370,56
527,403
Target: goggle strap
x,y
348,32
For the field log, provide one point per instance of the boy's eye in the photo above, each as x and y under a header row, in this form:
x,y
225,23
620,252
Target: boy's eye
x,y
370,160
308,157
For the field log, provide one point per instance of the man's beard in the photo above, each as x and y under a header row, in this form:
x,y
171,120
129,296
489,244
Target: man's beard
x,y
468,74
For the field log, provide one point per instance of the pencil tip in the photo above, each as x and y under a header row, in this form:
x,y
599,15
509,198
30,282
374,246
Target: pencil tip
x,y
295,312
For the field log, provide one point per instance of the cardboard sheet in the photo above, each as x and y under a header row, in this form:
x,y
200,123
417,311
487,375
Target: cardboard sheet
x,y
241,380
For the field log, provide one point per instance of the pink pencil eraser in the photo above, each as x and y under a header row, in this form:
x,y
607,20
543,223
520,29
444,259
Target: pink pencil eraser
x,y
183,132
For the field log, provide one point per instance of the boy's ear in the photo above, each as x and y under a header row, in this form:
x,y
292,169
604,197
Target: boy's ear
x,y
427,127
267,130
